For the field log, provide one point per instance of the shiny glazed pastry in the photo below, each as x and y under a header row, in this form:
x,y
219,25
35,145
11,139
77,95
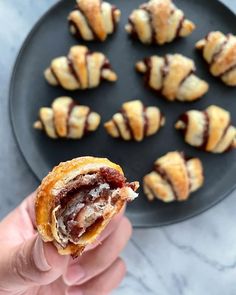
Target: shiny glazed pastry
x,y
77,200
66,119
93,19
158,22
219,51
81,69
174,178
173,77
209,130
135,121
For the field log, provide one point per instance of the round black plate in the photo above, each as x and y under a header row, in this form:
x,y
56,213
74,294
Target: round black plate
x,y
29,91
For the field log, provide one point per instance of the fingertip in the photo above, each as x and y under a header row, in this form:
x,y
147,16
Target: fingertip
x,y
125,222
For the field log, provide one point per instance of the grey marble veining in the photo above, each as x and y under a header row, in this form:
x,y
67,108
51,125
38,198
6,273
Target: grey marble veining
x,y
195,257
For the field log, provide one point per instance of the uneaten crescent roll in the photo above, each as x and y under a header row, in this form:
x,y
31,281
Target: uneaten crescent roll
x,y
76,201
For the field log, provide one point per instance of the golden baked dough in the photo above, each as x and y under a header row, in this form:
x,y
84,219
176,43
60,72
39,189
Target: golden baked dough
x,y
77,200
135,121
81,69
93,19
173,77
66,119
158,21
219,51
174,177
210,129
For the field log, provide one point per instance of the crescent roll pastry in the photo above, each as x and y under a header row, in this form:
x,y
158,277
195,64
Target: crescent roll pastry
x,y
66,119
209,130
81,69
158,22
174,178
135,121
93,19
219,51
173,76
77,200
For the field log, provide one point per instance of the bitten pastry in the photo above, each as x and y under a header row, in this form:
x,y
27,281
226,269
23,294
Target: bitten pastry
x,y
219,51
174,178
81,69
135,121
158,22
173,77
66,119
77,200
209,130
93,19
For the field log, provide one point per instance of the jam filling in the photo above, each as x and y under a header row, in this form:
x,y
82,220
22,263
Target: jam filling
x,y
77,31
85,199
165,176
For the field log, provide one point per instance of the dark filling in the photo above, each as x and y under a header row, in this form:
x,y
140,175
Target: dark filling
x,y
127,123
219,51
72,70
145,120
232,68
83,192
165,176
177,34
134,34
205,133
55,76
77,31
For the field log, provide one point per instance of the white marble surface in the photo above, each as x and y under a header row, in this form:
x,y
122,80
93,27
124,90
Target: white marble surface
x,y
195,257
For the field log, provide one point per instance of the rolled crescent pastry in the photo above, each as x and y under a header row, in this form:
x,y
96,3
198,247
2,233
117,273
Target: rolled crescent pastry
x,y
77,200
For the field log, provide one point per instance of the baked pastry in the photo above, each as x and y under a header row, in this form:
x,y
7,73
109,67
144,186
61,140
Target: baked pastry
x,y
219,51
77,200
209,130
66,119
158,22
81,69
93,19
173,76
135,121
174,178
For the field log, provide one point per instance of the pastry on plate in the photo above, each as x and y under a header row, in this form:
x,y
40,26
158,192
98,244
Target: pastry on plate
x,y
173,76
158,22
173,178
135,121
93,19
66,119
219,51
77,200
81,69
209,130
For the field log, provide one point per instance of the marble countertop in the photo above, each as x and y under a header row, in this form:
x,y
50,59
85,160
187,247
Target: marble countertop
x,y
194,257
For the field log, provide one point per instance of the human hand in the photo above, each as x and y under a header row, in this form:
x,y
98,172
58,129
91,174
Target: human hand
x,y
30,266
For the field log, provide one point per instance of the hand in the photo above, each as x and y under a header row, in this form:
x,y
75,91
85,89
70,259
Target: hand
x,y
30,266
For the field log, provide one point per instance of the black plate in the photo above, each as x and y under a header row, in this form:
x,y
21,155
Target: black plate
x,y
29,91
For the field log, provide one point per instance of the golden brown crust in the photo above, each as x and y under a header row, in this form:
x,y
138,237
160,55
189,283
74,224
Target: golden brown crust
x,y
173,76
93,19
135,121
158,21
173,178
81,69
56,180
209,129
67,119
219,51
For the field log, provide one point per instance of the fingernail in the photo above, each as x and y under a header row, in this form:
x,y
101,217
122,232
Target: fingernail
x,y
39,256
74,274
74,291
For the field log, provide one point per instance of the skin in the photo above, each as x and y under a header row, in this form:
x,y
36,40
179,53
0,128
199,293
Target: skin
x,y
30,266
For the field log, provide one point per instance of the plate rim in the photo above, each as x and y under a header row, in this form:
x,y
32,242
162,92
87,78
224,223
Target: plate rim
x,y
17,60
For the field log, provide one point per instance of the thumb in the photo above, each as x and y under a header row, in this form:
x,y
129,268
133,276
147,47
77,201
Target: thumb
x,y
31,263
